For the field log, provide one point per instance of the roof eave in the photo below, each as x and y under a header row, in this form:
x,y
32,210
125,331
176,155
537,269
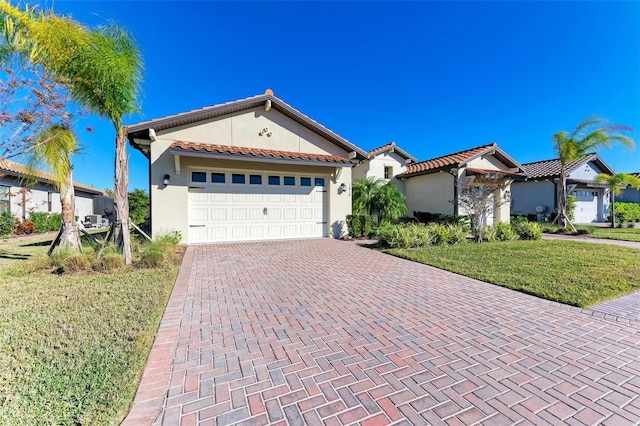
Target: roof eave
x,y
257,158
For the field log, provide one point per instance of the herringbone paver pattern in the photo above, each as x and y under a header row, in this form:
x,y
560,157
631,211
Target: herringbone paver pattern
x,y
324,332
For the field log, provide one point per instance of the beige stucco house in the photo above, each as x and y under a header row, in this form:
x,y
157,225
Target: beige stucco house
x,y
432,185
385,162
252,169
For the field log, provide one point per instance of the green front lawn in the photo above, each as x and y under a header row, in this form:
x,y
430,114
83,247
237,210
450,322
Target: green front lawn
x,y
568,272
624,234
73,346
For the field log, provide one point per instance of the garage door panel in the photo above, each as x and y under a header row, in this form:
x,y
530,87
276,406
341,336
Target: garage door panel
x,y
239,213
274,213
236,212
218,215
199,214
255,213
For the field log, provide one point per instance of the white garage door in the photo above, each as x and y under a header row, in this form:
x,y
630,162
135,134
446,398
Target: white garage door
x,y
586,206
244,206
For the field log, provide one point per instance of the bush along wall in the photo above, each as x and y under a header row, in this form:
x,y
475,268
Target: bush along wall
x,y
360,225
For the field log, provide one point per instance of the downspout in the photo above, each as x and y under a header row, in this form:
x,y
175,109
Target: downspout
x,y
454,174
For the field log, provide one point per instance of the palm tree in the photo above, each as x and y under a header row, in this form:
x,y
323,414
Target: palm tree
x,y
373,197
364,195
103,69
589,134
53,148
389,203
615,183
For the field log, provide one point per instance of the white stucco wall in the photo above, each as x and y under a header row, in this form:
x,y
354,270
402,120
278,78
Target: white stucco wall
x,y
585,172
36,200
374,168
432,193
169,204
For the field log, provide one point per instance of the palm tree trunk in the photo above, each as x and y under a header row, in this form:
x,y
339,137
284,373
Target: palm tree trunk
x,y
70,240
122,236
613,208
562,198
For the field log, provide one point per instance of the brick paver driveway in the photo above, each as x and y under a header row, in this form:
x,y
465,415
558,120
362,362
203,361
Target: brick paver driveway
x,y
326,332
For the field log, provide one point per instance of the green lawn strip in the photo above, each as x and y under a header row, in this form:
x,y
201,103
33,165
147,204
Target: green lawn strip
x,y
72,347
624,234
568,272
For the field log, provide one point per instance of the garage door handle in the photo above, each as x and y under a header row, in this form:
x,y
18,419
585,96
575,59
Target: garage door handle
x,y
264,211
197,226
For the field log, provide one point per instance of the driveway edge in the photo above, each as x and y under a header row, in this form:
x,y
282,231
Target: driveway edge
x,y
152,389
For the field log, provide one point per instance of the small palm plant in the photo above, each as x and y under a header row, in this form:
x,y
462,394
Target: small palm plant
x,y
376,198
615,183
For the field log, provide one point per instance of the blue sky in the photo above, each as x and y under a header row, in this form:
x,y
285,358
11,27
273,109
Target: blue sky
x,y
436,77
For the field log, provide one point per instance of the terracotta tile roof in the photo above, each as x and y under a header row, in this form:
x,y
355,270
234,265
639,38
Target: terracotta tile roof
x,y
492,172
446,161
551,168
256,152
21,171
390,146
141,130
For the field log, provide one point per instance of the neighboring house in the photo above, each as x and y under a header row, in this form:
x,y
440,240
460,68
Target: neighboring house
x,y
431,186
538,194
23,191
385,162
252,169
629,195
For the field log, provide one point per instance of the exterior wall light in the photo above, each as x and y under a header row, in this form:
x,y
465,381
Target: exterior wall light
x,y
342,188
166,180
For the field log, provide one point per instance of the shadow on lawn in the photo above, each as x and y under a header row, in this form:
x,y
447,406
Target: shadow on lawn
x,y
13,256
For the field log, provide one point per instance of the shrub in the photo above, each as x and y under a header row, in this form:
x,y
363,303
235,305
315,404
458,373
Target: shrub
x,y
457,234
45,221
72,263
440,234
6,224
360,225
439,218
109,262
152,256
173,238
528,230
488,233
26,227
627,212
504,232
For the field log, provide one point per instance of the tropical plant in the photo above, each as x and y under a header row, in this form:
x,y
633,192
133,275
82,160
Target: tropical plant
x,y
377,198
589,135
103,71
53,149
615,183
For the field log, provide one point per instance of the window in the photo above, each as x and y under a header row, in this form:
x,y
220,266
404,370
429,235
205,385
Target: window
x,y
388,172
289,181
319,181
237,178
198,177
274,180
49,200
255,180
4,198
218,178
305,181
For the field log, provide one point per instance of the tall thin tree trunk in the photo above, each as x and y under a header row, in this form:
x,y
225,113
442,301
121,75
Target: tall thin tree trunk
x,y
562,198
70,239
613,208
122,236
